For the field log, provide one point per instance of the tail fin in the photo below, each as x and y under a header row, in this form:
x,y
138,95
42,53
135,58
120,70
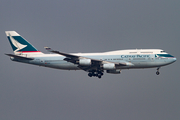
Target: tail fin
x,y
19,44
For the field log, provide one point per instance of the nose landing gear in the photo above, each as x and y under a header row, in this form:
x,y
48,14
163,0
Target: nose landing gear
x,y
157,73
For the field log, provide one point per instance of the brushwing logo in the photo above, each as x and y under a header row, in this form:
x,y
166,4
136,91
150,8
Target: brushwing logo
x,y
156,55
18,45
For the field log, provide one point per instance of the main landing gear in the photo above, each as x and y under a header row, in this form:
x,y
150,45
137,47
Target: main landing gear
x,y
98,74
157,73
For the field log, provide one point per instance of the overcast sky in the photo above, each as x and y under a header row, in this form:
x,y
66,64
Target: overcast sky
x,y
30,92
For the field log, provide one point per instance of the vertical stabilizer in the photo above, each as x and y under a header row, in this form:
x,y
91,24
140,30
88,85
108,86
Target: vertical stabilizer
x,y
19,44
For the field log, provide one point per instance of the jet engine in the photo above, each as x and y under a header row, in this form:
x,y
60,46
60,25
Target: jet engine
x,y
117,71
85,62
109,66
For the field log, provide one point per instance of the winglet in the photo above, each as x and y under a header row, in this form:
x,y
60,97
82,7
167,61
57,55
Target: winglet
x,y
48,49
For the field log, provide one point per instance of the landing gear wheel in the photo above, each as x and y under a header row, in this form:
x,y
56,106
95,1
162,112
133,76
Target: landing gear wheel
x,y
99,76
95,73
90,74
157,73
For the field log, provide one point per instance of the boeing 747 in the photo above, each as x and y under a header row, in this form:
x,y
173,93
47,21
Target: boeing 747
x,y
94,63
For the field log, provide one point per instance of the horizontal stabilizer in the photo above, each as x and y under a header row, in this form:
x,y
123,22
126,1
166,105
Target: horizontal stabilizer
x,y
19,57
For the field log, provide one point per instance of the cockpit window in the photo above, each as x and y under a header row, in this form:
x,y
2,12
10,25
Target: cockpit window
x,y
164,55
162,51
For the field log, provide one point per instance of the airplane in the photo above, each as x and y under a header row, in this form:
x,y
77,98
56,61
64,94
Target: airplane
x,y
94,63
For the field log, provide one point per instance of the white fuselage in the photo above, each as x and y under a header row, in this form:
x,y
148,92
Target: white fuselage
x,y
140,58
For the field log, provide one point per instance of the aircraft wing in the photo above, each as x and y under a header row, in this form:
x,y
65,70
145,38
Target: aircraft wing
x,y
62,53
95,62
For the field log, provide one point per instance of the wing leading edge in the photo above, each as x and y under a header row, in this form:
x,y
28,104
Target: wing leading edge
x,y
95,63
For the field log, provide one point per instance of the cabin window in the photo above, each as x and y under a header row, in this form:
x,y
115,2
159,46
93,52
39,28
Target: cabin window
x,y
132,52
146,52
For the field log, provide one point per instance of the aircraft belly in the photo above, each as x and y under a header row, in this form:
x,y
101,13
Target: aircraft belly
x,y
58,64
65,66
149,64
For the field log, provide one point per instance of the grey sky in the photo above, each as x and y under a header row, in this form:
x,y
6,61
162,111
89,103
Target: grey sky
x,y
37,93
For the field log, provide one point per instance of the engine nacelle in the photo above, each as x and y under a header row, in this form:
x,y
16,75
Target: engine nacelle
x,y
109,66
85,62
114,71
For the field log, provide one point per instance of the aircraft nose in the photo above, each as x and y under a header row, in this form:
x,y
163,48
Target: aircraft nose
x,y
174,59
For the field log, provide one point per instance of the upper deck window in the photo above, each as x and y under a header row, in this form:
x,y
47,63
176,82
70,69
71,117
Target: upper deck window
x,y
132,52
147,52
162,51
